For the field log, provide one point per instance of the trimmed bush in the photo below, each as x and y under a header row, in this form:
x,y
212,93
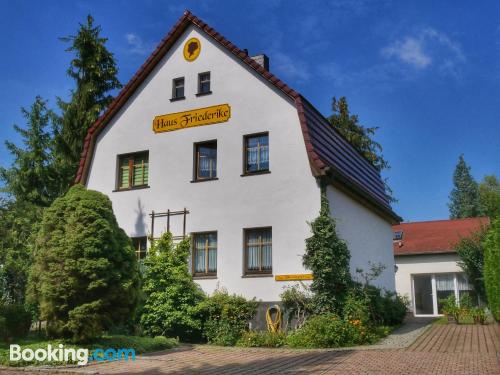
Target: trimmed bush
x,y
492,268
15,321
225,317
85,275
254,339
329,331
171,295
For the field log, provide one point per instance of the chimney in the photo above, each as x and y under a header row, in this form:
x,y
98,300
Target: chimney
x,y
262,60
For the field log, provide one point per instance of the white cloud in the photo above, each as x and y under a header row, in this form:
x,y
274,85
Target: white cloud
x,y
409,51
137,45
427,48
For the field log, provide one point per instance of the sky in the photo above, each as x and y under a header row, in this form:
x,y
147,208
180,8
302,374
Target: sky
x,y
427,73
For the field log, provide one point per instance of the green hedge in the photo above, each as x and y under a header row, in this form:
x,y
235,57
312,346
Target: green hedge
x,y
492,268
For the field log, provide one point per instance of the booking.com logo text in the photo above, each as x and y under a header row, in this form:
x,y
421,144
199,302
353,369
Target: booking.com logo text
x,y
61,354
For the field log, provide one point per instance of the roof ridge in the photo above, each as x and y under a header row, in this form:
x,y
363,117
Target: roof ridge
x,y
444,220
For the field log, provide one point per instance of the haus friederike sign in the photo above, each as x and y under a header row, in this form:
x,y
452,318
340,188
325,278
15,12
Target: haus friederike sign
x,y
188,119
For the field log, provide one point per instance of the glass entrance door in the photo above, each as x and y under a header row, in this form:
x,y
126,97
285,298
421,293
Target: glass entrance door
x,y
423,296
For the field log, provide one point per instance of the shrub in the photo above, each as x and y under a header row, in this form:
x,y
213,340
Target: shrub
x,y
297,304
85,275
225,317
170,292
471,253
492,267
15,321
327,256
450,308
478,315
266,339
329,331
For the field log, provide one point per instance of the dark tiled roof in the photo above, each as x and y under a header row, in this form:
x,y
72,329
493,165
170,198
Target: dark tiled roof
x,y
327,150
434,237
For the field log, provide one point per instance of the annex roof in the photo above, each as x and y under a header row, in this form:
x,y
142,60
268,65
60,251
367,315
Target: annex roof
x,y
327,150
435,237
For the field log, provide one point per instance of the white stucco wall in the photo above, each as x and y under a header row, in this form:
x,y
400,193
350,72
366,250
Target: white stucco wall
x,y
409,265
286,199
368,236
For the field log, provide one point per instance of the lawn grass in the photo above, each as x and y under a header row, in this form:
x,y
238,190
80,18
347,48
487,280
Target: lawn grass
x,y
139,344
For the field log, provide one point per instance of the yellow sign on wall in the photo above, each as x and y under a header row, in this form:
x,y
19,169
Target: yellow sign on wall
x,y
188,119
302,276
192,49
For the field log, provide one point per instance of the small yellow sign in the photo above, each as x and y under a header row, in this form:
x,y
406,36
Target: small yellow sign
x,y
192,49
188,119
302,276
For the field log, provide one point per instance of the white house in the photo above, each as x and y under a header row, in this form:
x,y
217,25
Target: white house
x,y
427,264
205,141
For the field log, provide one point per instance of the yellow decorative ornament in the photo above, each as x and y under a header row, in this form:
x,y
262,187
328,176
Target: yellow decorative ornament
x,y
192,49
273,323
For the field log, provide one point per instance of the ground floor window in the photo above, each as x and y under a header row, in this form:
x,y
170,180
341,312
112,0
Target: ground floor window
x,y
429,289
204,254
258,251
140,246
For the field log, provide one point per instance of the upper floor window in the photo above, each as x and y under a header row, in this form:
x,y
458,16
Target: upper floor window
x,y
178,88
204,83
205,160
256,153
133,170
258,251
205,254
140,246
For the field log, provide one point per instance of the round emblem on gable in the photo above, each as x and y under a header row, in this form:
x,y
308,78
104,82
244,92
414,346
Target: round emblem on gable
x,y
192,49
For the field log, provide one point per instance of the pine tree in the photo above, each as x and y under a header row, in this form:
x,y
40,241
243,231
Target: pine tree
x,y
94,72
327,256
31,177
464,198
360,137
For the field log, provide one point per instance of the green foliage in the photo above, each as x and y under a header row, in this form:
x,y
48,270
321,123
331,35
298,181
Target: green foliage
x,y
489,196
464,198
471,253
85,275
478,315
329,331
225,317
327,256
15,321
359,136
18,227
94,71
171,295
492,267
297,304
31,178
255,339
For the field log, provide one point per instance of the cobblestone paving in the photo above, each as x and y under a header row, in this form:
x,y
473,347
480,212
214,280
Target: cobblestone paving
x,y
442,349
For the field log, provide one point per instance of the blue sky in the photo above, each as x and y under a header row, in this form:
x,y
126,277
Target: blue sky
x,y
426,72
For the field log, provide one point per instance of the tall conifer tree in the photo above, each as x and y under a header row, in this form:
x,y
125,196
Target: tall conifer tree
x,y
94,71
464,198
360,137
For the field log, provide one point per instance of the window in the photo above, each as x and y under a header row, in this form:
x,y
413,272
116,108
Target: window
x,y
258,251
133,170
205,254
204,83
140,246
398,236
178,88
205,161
256,153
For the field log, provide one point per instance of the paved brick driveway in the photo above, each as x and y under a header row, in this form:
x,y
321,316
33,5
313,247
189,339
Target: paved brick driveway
x,y
445,349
